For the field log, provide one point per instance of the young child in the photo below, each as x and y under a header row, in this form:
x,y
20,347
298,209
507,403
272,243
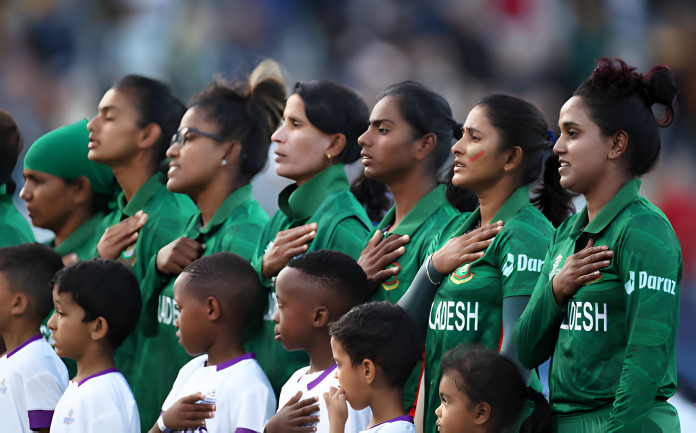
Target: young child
x,y
32,377
97,304
313,291
375,346
482,391
224,390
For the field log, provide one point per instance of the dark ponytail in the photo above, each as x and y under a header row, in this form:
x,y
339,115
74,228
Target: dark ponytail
x,y
541,419
248,111
618,98
520,123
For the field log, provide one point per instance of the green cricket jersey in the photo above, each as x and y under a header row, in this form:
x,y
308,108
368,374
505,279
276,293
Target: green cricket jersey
x,y
613,343
235,227
168,213
83,241
15,228
468,305
422,224
342,225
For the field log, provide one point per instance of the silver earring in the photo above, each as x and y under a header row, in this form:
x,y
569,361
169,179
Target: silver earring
x,y
224,162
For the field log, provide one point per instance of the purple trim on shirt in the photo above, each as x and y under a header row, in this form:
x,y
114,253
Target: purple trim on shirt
x,y
101,373
244,430
231,362
407,418
321,377
40,419
21,346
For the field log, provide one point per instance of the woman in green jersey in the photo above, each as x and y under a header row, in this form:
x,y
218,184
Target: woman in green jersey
x,y
606,305
408,140
14,228
322,122
131,134
221,144
480,296
67,193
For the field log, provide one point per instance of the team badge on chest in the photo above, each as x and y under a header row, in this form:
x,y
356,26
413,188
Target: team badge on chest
x,y
462,274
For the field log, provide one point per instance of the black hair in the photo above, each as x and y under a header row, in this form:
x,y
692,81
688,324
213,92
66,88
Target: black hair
x,y
10,147
427,113
520,123
620,99
29,269
337,272
231,280
372,194
155,103
383,333
104,288
332,109
247,111
487,376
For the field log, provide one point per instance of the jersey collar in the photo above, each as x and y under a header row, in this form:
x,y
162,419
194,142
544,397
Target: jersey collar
x,y
626,195
81,235
420,213
142,196
300,203
518,200
231,203
25,344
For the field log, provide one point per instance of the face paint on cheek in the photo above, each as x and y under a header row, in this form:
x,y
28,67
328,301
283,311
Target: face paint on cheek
x,y
475,150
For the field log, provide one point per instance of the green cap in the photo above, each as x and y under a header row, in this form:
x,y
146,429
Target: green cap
x,y
63,153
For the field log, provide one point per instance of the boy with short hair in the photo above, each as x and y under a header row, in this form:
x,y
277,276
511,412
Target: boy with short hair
x,y
97,304
375,346
32,377
314,290
223,390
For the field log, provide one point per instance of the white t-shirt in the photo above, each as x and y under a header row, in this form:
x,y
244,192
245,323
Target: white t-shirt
x,y
243,396
32,379
402,424
102,402
315,385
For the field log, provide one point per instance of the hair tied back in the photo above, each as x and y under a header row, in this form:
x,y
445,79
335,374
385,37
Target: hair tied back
x,y
660,87
458,131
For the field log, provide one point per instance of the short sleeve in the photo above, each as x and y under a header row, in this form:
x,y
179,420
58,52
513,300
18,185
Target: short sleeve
x,y
42,390
253,408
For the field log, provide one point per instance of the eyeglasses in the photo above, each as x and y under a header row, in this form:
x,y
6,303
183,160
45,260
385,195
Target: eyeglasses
x,y
179,138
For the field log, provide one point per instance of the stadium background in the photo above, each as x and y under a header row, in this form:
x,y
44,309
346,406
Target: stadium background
x,y
57,57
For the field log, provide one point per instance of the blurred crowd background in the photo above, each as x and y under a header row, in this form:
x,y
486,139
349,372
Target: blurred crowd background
x,y
58,57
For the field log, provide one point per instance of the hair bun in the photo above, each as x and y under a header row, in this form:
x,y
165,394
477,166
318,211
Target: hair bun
x,y
661,88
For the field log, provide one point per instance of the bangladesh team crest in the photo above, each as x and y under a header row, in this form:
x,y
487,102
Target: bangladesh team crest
x,y
393,282
462,274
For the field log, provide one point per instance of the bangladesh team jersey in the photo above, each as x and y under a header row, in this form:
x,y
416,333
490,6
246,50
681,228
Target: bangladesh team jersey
x,y
168,214
422,224
83,241
468,305
235,227
14,228
613,343
342,225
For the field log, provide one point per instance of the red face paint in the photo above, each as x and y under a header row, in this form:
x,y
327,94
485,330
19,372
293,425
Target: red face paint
x,y
477,156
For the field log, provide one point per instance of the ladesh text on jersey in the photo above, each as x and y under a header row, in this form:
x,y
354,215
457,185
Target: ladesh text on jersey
x,y
450,315
167,312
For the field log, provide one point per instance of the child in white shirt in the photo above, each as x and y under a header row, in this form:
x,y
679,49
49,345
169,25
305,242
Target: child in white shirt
x,y
97,304
225,389
32,377
313,291
375,346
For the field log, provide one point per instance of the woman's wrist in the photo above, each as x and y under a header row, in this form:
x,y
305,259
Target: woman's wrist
x,y
434,276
